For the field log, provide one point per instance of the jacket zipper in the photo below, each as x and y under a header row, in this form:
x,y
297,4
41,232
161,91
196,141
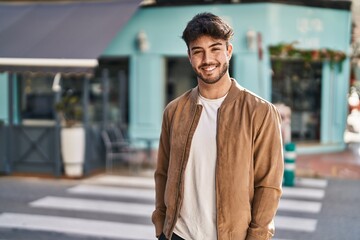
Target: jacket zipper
x,y
216,171
181,173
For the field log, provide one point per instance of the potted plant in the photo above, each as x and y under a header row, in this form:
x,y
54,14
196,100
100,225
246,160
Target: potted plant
x,y
72,134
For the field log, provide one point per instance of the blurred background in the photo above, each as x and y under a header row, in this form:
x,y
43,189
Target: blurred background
x,y
83,85
121,62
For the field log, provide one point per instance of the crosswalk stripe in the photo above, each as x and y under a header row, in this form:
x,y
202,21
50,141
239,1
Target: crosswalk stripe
x,y
303,193
98,190
295,224
299,206
311,182
147,182
142,182
77,226
133,209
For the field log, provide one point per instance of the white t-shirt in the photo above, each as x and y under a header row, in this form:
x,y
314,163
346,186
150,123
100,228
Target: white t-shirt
x,y
197,218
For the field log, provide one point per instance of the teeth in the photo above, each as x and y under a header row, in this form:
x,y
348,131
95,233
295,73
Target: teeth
x,y
210,68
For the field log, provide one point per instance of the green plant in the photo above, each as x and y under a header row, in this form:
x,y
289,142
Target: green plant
x,y
288,51
69,109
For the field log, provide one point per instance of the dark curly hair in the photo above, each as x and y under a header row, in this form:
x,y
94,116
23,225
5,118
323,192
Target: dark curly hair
x,y
207,24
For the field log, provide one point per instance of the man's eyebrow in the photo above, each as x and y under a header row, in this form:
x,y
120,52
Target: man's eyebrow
x,y
212,45
215,44
194,48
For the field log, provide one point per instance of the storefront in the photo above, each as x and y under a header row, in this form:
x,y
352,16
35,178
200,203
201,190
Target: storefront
x,y
49,52
316,90
145,65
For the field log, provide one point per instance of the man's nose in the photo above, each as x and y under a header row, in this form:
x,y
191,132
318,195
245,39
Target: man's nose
x,y
206,58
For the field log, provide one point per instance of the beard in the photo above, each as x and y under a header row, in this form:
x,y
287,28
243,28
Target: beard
x,y
213,79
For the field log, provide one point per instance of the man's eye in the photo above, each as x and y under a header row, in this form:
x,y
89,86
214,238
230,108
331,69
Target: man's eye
x,y
216,49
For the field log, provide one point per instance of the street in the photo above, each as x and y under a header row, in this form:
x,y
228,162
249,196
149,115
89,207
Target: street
x,y
117,207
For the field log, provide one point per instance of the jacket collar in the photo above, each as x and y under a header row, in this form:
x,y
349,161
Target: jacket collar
x,y
234,91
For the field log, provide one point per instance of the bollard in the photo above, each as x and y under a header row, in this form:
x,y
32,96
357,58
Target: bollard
x,y
289,168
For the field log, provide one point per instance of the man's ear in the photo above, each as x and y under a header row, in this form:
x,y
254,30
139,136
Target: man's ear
x,y
229,50
188,52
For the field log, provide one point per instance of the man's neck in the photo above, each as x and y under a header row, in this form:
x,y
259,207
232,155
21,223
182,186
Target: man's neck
x,y
216,90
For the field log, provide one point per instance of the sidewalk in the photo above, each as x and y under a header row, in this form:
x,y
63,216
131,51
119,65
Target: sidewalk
x,y
339,165
343,165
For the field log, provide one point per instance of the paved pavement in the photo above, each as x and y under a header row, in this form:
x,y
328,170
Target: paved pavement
x,y
340,165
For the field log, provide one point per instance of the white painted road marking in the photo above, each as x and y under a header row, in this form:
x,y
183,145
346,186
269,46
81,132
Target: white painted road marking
x,y
295,224
147,194
143,189
311,182
133,209
299,206
141,182
304,193
77,226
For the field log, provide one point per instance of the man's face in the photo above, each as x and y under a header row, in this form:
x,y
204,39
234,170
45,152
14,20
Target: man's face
x,y
209,58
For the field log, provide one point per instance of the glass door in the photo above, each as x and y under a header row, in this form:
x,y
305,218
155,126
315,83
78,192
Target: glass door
x,y
298,85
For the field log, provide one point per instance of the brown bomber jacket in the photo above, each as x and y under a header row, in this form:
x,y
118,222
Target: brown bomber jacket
x,y
249,166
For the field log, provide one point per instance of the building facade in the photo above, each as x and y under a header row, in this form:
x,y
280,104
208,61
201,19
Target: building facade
x,y
315,91
145,66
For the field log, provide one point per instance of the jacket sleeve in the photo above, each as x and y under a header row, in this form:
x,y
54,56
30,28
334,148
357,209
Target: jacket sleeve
x,y
158,216
268,174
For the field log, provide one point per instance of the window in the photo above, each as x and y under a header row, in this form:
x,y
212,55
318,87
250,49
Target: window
x,y
180,77
298,85
118,94
36,99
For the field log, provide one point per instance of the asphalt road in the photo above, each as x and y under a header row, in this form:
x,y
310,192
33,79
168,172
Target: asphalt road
x,y
109,207
338,218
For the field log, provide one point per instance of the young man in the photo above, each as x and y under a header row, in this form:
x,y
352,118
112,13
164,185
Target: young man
x,y
220,162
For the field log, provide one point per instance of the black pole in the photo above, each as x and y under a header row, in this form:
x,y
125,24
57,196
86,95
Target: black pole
x,y
105,102
85,100
57,142
122,97
85,103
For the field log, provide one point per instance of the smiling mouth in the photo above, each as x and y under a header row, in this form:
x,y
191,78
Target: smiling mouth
x,y
209,68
